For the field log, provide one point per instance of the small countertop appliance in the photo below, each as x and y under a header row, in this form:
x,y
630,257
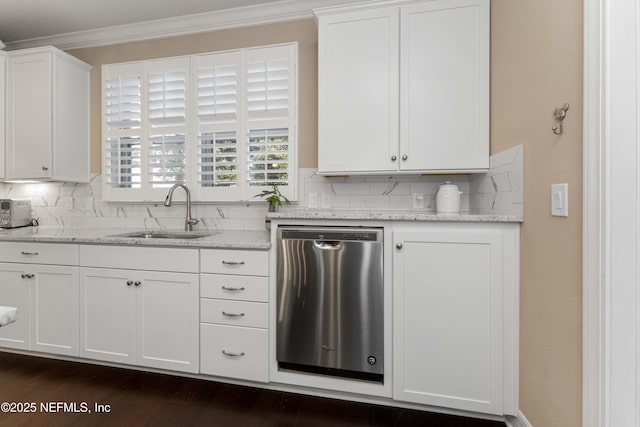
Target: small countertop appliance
x,y
15,213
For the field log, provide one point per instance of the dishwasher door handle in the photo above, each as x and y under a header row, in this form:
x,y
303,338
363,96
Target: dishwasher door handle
x,y
327,244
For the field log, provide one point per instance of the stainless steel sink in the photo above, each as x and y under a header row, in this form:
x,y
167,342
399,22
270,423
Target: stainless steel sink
x,y
164,235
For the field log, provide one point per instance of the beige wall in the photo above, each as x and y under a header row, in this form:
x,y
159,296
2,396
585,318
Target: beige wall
x,y
536,65
304,32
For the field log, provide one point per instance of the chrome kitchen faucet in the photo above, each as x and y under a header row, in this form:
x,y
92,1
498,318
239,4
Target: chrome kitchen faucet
x,y
188,221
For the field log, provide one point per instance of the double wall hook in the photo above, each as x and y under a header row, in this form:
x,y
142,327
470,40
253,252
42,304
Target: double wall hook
x,y
559,114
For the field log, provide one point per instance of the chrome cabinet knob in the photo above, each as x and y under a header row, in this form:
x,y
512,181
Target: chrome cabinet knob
x,y
44,168
129,282
137,283
398,245
405,157
394,158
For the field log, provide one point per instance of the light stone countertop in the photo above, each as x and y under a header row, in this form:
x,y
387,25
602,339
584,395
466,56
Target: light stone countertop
x,y
391,215
231,239
222,239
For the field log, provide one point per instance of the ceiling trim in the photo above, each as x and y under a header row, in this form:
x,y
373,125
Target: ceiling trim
x,y
280,11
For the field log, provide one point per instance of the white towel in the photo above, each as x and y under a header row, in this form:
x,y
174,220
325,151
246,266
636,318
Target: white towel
x,y
8,315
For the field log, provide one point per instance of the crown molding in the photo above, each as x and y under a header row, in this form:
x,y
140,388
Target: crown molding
x,y
279,11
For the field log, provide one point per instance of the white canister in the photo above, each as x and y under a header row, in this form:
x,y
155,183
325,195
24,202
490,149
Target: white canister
x,y
448,198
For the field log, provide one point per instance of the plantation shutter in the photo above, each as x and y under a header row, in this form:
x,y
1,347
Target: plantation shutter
x,y
167,127
122,118
219,168
270,100
223,123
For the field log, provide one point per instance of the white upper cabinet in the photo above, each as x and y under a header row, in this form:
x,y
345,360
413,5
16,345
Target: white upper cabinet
x,y
404,87
444,101
358,91
47,116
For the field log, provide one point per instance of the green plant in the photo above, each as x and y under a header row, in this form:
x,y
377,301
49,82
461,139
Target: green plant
x,y
273,196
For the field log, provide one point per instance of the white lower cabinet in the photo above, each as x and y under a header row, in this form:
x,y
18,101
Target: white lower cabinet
x,y
234,314
107,315
47,300
15,292
236,352
455,316
454,310
54,304
140,317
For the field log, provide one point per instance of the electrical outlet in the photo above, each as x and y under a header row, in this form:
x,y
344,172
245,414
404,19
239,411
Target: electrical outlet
x,y
418,201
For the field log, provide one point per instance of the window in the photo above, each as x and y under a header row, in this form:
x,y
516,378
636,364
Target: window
x,y
122,121
224,123
268,157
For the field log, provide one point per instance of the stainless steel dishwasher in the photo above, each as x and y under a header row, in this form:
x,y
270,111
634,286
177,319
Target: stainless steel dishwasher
x,y
330,313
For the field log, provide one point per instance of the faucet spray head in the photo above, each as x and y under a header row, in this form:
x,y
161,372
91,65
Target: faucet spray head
x,y
168,199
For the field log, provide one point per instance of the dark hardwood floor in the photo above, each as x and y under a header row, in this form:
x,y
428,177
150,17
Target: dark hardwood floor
x,y
148,399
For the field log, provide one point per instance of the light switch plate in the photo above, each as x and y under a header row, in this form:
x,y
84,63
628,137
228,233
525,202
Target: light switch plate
x,y
560,200
418,201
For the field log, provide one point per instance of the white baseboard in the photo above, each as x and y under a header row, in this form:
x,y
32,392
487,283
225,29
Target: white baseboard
x,y
518,421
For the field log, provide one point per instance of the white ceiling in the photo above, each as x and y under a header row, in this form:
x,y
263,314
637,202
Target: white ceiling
x,y
28,22
27,19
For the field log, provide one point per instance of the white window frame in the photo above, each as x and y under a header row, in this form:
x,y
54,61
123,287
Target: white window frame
x,y
243,192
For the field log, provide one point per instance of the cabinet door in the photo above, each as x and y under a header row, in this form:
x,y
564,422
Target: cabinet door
x,y
30,127
448,318
358,91
15,292
54,304
445,85
167,320
107,315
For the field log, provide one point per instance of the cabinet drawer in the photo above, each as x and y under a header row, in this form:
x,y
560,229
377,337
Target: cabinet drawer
x,y
236,313
230,351
225,286
253,263
39,253
126,257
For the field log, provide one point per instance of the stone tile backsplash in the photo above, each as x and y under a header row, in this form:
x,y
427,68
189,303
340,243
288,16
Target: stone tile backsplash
x,y
80,205
373,192
499,191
